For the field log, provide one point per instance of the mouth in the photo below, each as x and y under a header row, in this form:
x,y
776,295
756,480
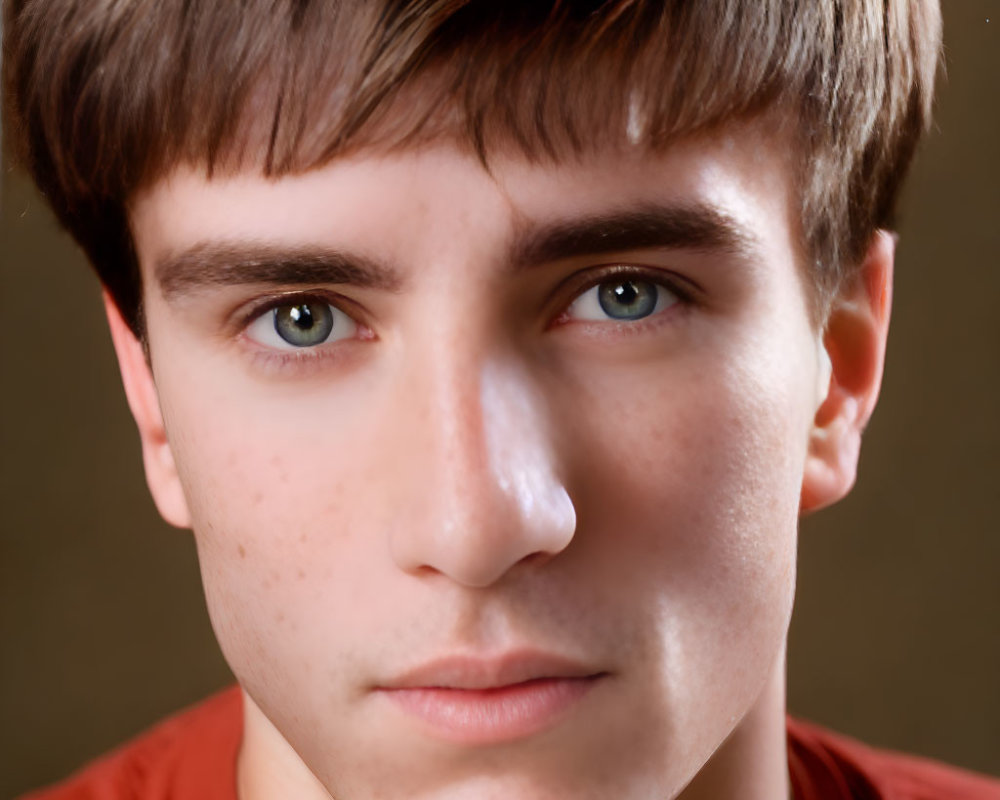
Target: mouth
x,y
488,701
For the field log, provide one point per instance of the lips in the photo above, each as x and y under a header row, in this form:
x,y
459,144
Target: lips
x,y
482,701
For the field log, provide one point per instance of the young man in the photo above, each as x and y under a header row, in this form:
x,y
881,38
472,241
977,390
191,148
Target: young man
x,y
491,352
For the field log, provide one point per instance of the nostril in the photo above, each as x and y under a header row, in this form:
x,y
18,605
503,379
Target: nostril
x,y
477,549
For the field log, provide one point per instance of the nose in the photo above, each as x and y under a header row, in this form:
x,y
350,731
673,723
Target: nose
x,y
485,489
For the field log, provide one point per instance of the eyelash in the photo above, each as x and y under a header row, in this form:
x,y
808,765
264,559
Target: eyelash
x,y
566,294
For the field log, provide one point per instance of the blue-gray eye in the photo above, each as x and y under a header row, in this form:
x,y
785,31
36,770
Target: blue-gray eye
x,y
299,324
303,324
627,299
624,299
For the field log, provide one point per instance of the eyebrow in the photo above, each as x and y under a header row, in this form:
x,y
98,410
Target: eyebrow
x,y
229,263
691,227
694,226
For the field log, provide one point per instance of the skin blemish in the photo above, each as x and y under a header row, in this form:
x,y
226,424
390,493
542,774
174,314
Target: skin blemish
x,y
242,551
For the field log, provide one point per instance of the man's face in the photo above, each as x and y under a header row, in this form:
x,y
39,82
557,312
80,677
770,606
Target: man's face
x,y
494,478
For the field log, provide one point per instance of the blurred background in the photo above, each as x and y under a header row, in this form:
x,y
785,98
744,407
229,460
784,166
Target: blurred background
x,y
896,638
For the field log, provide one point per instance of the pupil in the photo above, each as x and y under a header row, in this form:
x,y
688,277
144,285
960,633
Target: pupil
x,y
304,324
627,299
626,293
302,317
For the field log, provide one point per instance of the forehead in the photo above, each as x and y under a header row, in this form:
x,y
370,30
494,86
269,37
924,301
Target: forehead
x,y
737,181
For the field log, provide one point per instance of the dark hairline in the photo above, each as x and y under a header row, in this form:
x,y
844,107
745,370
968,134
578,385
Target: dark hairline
x,y
101,104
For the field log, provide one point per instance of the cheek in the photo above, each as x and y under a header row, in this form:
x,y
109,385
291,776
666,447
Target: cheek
x,y
687,481
667,453
277,507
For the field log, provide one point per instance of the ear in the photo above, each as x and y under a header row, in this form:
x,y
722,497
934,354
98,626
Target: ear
x,y
137,378
854,342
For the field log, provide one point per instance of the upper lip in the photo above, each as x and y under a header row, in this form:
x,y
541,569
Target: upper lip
x,y
474,672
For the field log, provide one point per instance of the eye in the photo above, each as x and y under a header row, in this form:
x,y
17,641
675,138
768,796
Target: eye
x,y
306,323
622,300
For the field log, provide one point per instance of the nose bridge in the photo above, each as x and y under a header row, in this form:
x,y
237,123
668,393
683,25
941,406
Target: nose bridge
x,y
457,420
518,448
488,493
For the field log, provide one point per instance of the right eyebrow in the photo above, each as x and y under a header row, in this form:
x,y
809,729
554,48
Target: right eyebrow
x,y
696,226
208,264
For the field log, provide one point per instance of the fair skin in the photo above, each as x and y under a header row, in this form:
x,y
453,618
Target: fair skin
x,y
586,509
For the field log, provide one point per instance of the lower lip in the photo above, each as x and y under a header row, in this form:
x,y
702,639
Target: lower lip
x,y
489,716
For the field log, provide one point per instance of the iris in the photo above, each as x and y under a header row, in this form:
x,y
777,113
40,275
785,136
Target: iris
x,y
628,299
304,324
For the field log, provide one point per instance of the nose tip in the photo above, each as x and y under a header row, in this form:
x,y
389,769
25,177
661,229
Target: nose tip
x,y
481,540
491,496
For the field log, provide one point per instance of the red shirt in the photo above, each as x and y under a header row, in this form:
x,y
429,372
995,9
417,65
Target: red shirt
x,y
189,756
826,766
192,756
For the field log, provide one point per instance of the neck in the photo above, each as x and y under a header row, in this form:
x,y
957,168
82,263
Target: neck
x,y
267,766
752,764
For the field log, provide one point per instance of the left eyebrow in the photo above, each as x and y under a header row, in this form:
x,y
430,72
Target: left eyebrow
x,y
694,226
243,262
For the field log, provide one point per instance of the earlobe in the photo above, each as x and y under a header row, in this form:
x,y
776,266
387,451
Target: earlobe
x,y
140,390
854,342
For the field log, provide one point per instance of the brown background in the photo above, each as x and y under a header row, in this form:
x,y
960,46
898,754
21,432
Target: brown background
x,y
895,639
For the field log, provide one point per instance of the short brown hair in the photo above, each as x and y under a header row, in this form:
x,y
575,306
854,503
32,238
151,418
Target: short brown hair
x,y
103,98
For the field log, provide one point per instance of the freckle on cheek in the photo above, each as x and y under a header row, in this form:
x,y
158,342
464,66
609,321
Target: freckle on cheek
x,y
242,551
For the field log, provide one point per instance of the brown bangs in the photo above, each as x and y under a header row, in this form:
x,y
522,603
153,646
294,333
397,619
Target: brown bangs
x,y
108,96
